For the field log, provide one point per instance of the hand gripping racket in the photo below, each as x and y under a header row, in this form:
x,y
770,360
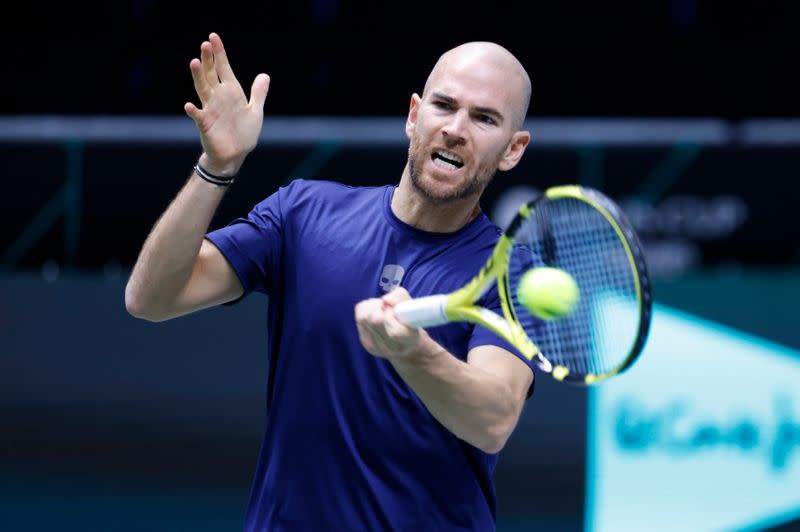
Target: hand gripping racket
x,y
584,233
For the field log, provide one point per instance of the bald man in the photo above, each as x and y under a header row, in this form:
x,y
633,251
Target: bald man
x,y
371,425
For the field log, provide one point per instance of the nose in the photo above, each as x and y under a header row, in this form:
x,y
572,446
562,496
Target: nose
x,y
454,130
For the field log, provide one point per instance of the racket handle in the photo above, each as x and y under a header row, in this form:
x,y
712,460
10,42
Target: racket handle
x,y
422,312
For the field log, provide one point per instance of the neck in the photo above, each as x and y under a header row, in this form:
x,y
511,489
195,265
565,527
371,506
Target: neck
x,y
415,209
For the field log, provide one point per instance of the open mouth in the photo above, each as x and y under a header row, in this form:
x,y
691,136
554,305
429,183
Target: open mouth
x,y
446,160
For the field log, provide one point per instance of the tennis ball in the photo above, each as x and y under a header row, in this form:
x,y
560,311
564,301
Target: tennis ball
x,y
548,293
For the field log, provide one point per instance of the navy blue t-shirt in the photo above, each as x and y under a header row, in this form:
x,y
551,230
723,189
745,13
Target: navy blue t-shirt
x,y
348,445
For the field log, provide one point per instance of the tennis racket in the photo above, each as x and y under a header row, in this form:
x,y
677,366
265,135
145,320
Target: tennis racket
x,y
584,233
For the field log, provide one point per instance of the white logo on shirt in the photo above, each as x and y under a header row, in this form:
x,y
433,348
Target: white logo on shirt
x,y
391,276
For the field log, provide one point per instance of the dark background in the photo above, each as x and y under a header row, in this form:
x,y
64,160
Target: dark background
x,y
364,58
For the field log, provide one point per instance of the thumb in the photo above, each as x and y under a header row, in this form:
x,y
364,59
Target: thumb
x,y
192,111
396,296
259,90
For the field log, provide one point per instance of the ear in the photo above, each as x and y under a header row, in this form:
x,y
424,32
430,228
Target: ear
x,y
411,120
514,150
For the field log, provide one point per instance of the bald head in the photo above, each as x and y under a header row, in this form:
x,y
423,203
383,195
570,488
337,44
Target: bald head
x,y
485,55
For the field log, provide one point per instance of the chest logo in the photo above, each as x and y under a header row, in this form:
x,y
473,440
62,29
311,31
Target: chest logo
x,y
391,276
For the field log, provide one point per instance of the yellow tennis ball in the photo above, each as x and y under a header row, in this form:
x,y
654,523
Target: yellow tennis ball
x,y
548,293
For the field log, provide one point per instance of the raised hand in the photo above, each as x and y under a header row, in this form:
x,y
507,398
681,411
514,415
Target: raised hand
x,y
229,124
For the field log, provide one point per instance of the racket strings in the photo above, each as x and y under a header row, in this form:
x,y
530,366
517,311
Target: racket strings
x,y
570,234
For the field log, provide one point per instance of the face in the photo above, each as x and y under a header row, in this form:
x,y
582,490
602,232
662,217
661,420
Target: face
x,y
461,131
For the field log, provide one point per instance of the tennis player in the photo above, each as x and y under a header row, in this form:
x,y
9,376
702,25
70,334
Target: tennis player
x,y
371,425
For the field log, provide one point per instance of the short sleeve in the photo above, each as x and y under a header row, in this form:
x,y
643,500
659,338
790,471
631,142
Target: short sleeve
x,y
253,244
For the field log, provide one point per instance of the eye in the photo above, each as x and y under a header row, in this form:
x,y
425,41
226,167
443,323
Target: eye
x,y
442,104
487,119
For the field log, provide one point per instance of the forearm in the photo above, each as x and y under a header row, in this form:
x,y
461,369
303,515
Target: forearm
x,y
171,249
475,405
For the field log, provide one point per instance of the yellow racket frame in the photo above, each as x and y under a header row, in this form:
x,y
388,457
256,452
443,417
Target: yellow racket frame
x,y
460,305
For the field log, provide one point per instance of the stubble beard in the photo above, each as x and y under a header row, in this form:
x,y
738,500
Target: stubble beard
x,y
473,186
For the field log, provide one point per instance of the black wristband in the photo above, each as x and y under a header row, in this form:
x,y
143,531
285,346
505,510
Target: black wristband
x,y
213,179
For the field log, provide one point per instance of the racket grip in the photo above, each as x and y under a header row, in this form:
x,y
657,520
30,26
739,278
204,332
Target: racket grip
x,y
422,312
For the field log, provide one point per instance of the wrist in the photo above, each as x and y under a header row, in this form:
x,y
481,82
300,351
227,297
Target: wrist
x,y
217,181
221,169
425,353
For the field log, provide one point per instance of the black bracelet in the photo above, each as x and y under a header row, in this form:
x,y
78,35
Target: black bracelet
x,y
213,179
